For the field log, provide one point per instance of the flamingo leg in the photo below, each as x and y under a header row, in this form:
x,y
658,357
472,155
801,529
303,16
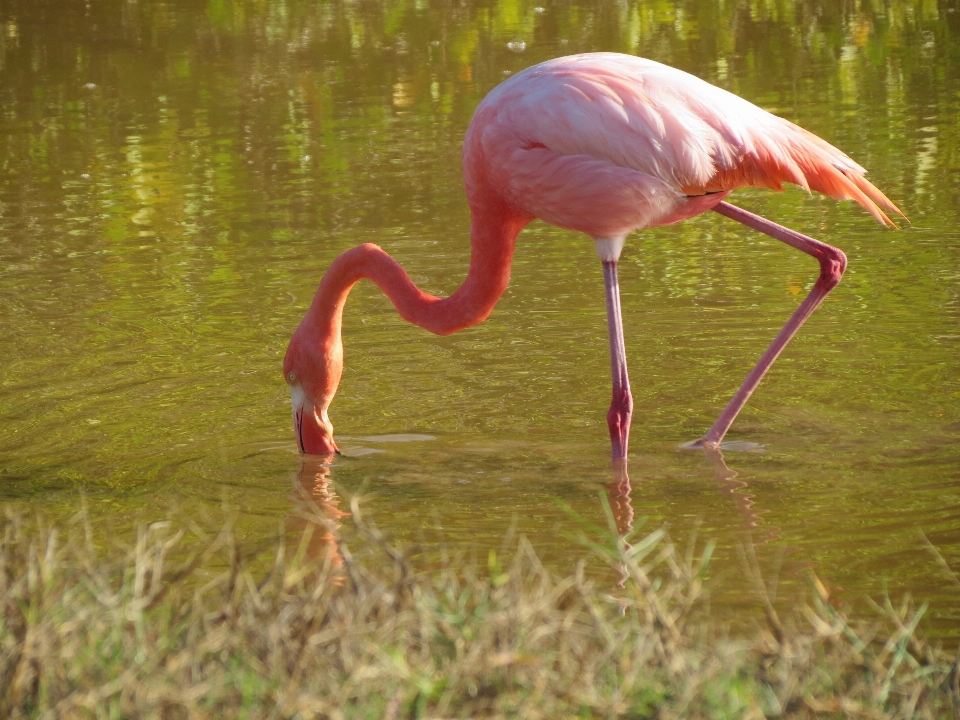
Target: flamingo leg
x,y
832,264
621,408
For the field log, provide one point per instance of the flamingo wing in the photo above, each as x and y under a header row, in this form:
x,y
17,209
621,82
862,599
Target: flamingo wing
x,y
627,142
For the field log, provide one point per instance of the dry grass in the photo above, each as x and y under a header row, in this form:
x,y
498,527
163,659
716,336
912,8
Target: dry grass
x,y
319,634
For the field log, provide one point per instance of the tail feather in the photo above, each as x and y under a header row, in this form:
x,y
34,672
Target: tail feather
x,y
874,194
797,156
846,184
833,173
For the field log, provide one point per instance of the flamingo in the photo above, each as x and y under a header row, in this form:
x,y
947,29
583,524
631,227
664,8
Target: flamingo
x,y
605,144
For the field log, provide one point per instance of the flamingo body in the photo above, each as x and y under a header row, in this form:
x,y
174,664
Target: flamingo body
x,y
604,144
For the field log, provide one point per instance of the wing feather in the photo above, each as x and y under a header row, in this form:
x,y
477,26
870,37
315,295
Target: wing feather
x,y
666,124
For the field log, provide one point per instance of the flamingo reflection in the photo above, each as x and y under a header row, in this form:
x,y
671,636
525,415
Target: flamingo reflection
x,y
316,514
727,479
619,489
618,495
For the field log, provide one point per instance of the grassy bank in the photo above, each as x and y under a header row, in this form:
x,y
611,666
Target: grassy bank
x,y
231,631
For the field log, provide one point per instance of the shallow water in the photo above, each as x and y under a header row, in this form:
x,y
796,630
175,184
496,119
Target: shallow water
x,y
174,178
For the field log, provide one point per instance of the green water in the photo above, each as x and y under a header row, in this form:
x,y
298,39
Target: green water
x,y
175,177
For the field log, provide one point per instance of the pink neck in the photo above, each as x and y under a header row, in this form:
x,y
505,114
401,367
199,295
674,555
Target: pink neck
x,y
492,246
493,238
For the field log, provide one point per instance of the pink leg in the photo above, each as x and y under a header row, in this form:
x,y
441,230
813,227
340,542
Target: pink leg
x,y
618,418
832,264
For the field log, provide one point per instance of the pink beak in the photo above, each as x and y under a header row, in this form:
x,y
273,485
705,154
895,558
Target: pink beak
x,y
313,429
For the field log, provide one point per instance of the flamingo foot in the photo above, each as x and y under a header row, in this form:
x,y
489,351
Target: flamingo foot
x,y
699,444
727,445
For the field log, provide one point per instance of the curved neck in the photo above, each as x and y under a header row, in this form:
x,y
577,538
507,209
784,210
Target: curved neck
x,y
492,239
314,359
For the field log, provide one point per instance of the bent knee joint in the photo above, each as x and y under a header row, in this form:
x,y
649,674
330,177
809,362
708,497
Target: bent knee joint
x,y
832,265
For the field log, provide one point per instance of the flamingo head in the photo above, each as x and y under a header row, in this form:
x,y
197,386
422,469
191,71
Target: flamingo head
x,y
312,376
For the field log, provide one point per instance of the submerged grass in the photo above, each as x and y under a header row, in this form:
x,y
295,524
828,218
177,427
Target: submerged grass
x,y
224,632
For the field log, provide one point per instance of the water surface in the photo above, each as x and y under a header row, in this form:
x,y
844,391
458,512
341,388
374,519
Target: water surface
x,y
175,177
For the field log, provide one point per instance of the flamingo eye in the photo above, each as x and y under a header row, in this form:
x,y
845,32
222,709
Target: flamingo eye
x,y
292,377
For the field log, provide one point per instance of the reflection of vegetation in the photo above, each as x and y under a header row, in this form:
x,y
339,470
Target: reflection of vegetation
x,y
279,110
247,89
142,634
287,111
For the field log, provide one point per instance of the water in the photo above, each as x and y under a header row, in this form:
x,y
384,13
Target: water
x,y
174,178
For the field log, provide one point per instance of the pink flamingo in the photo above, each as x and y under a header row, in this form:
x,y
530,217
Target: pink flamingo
x,y
605,144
